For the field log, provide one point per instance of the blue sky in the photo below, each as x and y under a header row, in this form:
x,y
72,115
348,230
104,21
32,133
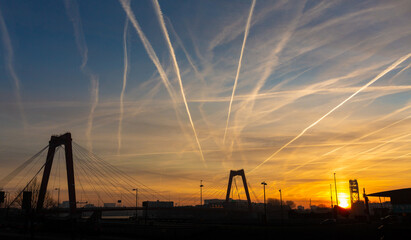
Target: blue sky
x,y
295,107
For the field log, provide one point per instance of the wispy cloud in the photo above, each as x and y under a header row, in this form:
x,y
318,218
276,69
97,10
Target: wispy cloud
x,y
75,18
9,58
74,15
94,103
189,58
390,68
233,28
355,141
153,56
246,107
125,73
357,162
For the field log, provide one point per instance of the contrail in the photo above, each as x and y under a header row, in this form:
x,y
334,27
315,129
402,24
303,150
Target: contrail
x,y
371,149
124,85
247,28
150,51
190,60
380,163
177,69
399,73
152,55
347,144
74,16
247,106
94,99
394,65
9,65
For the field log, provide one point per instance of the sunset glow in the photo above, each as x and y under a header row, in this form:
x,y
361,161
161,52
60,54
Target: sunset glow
x,y
343,200
174,93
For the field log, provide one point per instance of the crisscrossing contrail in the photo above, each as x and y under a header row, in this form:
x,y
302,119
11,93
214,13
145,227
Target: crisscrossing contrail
x,y
247,28
394,65
177,69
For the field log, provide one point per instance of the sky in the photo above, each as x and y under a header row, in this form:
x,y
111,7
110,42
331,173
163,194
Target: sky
x,y
174,92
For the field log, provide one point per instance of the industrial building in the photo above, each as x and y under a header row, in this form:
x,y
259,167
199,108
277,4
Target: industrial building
x,y
158,204
400,199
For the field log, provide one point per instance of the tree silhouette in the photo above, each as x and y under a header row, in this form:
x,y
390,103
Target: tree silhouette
x,y
274,202
291,204
34,187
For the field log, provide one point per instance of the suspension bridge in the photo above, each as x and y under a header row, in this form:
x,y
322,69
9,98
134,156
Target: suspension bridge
x,y
92,181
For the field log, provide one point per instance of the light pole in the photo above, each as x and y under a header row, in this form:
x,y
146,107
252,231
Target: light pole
x,y
58,197
6,197
336,195
331,195
265,203
3,198
201,192
136,189
281,205
58,200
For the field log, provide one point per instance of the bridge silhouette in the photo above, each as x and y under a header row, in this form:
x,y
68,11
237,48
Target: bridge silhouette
x,y
95,179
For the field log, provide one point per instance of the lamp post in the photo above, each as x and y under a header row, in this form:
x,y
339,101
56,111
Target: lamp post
x,y
136,189
265,204
281,205
58,200
201,192
6,197
336,194
58,197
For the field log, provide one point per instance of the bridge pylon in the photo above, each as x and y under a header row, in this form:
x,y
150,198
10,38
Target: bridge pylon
x,y
56,141
241,173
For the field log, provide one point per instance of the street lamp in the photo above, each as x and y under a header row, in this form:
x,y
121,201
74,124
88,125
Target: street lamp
x,y
58,197
58,200
201,192
281,205
336,194
265,204
136,189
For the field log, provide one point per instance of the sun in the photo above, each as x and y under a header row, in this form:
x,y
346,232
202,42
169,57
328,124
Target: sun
x,y
343,200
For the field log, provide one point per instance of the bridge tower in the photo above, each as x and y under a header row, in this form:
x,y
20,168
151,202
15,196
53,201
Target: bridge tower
x,y
354,191
241,173
56,141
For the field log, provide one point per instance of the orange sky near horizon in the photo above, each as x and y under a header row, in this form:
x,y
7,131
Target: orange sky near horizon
x,y
171,94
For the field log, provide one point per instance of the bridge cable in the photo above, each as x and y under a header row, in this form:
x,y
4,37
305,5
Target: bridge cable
x,y
255,196
236,188
28,171
4,181
88,164
91,183
122,175
91,171
18,195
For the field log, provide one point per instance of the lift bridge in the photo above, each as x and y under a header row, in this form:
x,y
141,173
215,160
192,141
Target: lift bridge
x,y
95,176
